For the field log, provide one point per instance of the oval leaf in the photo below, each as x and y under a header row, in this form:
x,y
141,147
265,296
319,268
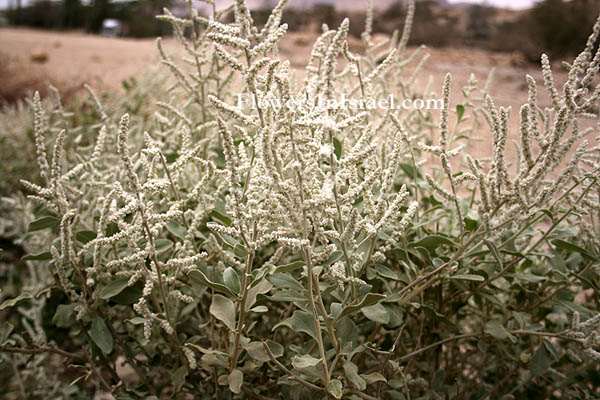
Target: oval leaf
x,y
223,309
101,335
113,288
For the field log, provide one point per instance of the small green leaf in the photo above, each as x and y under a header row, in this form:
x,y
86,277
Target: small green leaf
x,y
289,267
260,309
257,351
13,302
351,372
337,148
101,335
528,277
232,280
335,388
460,111
235,380
494,251
199,278
373,377
305,361
410,171
221,217
113,288
64,315
38,257
376,312
178,378
6,329
333,257
162,245
223,309
367,301
129,295
540,361
43,223
85,236
176,230
432,242
240,251
495,328
467,277
551,349
574,248
300,321
136,321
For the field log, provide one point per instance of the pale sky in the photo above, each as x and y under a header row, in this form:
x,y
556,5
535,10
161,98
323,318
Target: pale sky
x,y
499,3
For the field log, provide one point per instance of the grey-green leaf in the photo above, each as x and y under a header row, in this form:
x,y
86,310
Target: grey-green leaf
x,y
43,223
257,351
235,380
223,309
540,361
38,257
101,335
198,277
162,245
113,288
369,300
305,361
300,321
232,280
351,372
85,236
335,388
467,277
13,302
376,312
495,328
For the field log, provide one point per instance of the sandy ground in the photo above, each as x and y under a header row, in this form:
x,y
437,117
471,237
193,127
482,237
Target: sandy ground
x,y
73,58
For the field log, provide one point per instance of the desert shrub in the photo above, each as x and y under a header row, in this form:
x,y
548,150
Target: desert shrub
x,y
555,27
293,252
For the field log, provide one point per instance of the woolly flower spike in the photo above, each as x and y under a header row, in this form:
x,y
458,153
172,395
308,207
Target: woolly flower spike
x,y
228,58
124,152
408,22
58,156
393,211
368,23
440,190
549,81
273,20
99,147
268,43
332,53
38,132
216,26
191,357
525,139
232,111
381,68
444,119
229,40
410,214
243,17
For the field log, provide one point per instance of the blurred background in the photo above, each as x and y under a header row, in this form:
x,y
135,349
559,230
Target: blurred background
x,y
67,42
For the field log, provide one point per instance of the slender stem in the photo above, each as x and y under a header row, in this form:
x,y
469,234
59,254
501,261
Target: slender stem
x,y
241,312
